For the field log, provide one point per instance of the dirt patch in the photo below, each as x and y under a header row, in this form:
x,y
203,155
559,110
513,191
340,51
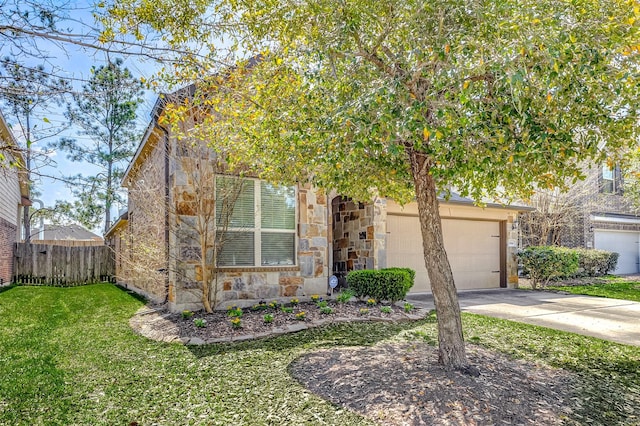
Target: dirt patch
x,y
402,384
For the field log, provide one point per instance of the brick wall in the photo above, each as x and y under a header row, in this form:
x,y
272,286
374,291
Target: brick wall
x,y
8,232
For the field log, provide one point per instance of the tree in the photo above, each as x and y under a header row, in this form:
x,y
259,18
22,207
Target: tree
x,y
105,110
27,95
557,214
411,98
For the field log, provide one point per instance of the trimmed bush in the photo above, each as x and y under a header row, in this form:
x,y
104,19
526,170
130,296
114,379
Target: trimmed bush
x,y
597,262
545,263
390,284
411,272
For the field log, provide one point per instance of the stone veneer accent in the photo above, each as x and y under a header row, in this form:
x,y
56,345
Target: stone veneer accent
x,y
359,235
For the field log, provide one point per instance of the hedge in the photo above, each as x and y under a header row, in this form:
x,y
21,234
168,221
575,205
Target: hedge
x,y
597,262
390,284
546,263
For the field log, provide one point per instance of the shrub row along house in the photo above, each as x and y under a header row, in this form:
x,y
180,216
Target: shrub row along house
x,y
273,241
14,195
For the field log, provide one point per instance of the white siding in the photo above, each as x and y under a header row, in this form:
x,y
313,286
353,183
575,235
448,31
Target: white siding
x,y
9,195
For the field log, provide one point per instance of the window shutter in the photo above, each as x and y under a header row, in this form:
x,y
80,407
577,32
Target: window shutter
x,y
278,206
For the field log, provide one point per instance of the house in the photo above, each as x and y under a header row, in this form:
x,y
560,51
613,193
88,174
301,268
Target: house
x,y
604,219
14,194
287,241
71,234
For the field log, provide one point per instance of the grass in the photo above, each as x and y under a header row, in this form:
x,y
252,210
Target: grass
x,y
613,288
68,356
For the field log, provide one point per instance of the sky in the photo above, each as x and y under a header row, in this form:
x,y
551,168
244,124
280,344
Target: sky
x,y
75,63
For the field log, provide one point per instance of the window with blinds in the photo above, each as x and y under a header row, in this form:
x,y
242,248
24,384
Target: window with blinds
x,y
260,221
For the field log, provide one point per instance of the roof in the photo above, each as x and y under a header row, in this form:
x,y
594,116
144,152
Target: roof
x,y
122,219
158,108
65,232
455,198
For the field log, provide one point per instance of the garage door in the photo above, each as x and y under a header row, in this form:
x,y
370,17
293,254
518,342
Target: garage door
x,y
473,248
625,243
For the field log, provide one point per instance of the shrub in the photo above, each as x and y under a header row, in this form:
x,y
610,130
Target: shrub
x,y
391,284
386,309
344,296
545,263
597,262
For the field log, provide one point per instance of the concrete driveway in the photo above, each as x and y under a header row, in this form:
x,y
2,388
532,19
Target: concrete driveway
x,y
609,319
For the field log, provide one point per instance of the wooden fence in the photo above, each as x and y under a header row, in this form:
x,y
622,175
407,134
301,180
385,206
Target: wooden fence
x,y
47,264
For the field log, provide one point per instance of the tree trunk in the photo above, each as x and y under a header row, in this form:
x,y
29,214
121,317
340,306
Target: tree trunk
x,y
109,198
206,287
451,343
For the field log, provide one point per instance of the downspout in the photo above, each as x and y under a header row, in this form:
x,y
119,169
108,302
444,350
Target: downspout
x,y
166,210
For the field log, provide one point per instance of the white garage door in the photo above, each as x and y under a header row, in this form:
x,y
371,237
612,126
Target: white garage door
x,y
625,243
473,248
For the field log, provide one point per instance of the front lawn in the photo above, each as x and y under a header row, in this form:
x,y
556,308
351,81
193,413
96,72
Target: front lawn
x,y
612,288
68,356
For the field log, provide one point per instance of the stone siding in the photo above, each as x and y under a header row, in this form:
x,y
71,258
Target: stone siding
x,y
359,235
140,244
245,286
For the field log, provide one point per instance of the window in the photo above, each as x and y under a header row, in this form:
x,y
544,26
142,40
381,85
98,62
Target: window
x,y
611,180
260,221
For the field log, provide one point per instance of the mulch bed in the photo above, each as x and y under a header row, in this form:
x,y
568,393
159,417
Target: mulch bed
x,y
158,324
402,384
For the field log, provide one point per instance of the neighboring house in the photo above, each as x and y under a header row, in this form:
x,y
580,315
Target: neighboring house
x,y
14,194
288,241
65,235
607,221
